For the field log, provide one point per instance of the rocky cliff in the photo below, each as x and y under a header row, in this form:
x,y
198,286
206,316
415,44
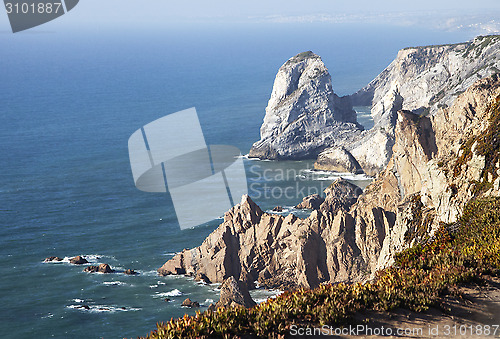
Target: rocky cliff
x,y
304,115
421,80
438,164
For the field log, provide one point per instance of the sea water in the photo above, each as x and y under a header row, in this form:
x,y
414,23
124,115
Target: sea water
x,y
70,101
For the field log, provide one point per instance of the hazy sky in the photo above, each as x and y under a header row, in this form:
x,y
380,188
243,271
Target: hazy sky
x,y
156,12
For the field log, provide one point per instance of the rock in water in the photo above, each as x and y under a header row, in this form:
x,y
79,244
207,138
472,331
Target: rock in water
x,y
337,159
78,260
304,115
202,277
234,293
189,303
50,259
130,272
173,266
312,201
91,269
104,268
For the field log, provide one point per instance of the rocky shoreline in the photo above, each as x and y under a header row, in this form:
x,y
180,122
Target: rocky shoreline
x,y
435,169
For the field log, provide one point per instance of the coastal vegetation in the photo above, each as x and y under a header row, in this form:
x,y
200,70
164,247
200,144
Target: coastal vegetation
x,y
419,279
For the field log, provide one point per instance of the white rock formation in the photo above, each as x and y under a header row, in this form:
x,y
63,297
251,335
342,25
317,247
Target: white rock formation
x,y
421,80
304,115
337,159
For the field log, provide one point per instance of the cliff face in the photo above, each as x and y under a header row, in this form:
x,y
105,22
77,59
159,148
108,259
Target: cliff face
x,y
304,115
421,80
438,164
442,162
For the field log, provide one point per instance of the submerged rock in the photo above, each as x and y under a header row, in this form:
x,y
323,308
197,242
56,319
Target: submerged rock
x,y
130,272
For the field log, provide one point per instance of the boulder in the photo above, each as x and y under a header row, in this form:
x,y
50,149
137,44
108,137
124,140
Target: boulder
x,y
202,277
312,201
337,159
173,266
340,195
78,260
91,269
190,304
104,268
50,259
130,272
234,293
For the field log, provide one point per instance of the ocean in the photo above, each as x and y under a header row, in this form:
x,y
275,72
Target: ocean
x,y
70,101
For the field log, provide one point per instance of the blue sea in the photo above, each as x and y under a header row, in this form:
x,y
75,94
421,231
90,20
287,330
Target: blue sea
x,y
69,102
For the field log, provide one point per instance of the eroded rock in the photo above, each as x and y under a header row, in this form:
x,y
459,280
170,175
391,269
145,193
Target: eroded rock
x,y
78,260
234,293
304,115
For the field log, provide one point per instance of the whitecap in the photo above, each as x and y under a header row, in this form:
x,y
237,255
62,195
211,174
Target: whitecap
x,y
209,301
102,308
91,258
76,300
286,209
149,273
170,253
161,282
173,293
153,286
114,283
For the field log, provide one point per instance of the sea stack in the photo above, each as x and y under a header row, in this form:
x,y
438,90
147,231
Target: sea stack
x,y
304,115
